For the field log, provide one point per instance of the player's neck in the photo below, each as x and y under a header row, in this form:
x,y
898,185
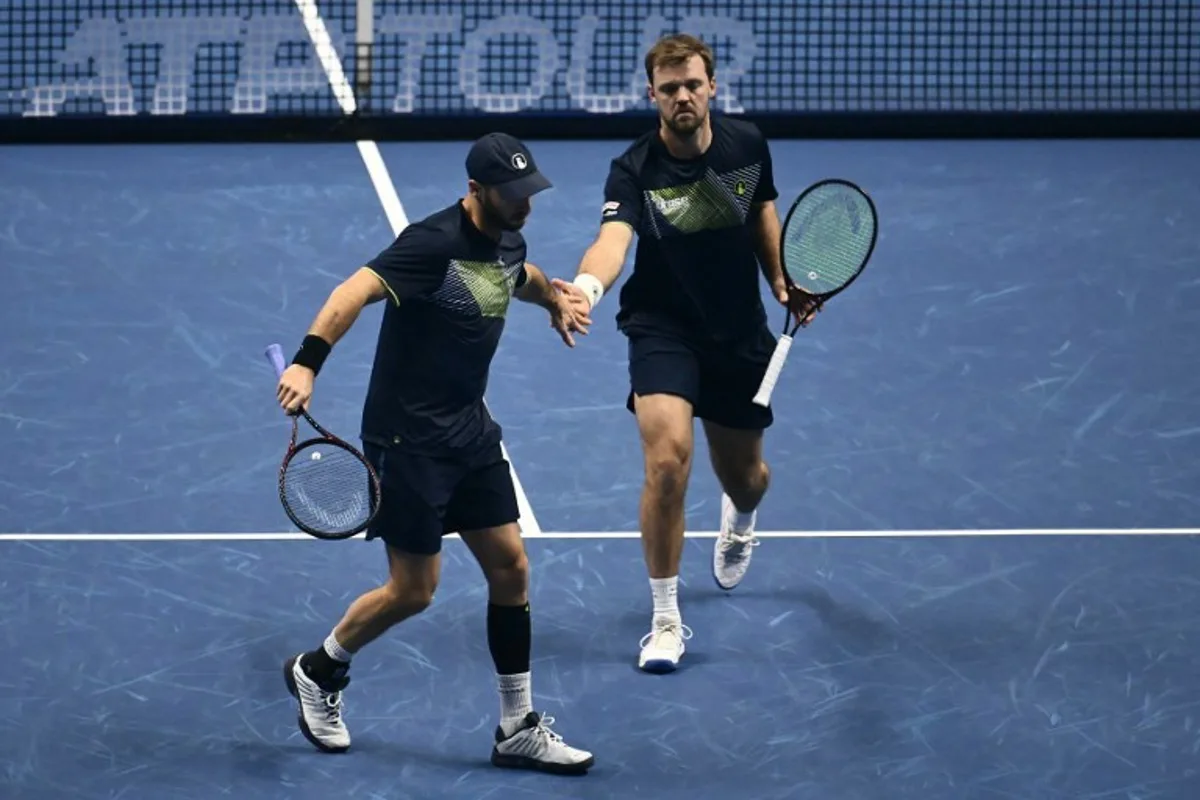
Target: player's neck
x,y
692,145
479,219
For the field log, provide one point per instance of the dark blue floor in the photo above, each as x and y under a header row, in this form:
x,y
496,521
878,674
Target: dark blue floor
x,y
1020,355
885,669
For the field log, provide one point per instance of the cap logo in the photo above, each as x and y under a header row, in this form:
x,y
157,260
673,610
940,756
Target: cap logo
x,y
519,162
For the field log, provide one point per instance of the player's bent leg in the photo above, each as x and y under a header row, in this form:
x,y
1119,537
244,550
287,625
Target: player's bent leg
x,y
317,678
734,426
410,525
665,424
485,511
737,461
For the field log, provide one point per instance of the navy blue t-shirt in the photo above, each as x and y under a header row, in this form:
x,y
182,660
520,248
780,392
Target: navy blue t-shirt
x,y
695,266
449,289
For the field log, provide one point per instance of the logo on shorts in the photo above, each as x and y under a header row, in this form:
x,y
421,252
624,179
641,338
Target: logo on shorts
x,y
739,188
610,208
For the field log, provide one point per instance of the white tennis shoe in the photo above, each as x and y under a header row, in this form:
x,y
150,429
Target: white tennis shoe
x,y
733,548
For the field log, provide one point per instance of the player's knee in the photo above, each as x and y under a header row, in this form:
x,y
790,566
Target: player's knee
x,y
410,591
407,601
667,467
743,476
751,477
508,578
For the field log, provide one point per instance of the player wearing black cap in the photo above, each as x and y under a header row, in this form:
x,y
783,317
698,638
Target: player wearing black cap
x,y
448,280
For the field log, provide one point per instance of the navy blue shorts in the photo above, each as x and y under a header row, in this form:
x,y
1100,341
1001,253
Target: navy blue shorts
x,y
423,498
719,380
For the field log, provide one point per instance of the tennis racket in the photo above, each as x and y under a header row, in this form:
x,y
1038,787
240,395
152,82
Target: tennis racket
x,y
828,237
327,487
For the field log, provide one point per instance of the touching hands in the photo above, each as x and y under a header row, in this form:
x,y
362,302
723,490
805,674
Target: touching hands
x,y
569,311
575,296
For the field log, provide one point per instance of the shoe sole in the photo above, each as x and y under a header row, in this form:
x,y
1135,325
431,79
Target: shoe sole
x,y
524,762
290,680
659,666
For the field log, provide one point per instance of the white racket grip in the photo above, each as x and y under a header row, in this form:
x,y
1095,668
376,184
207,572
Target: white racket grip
x,y
763,398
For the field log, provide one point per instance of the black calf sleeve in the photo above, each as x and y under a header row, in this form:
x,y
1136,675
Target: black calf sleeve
x,y
510,637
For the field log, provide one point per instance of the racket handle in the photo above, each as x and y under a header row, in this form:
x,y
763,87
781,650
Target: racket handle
x,y
274,354
763,398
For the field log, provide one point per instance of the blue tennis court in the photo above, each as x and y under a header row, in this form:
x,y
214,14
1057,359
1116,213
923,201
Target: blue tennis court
x,y
981,573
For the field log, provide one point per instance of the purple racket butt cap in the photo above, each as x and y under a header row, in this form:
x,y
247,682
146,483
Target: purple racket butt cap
x,y
274,354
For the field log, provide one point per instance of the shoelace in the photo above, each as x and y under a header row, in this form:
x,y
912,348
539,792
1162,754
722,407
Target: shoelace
x,y
672,628
333,708
543,730
734,544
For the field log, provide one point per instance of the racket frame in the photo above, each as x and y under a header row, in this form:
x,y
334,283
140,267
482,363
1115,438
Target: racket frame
x,y
790,327
274,354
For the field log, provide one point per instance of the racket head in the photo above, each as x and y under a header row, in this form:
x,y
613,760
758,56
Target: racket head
x,y
828,237
328,489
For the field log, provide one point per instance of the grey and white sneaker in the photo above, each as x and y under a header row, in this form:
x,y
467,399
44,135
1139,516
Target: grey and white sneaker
x,y
320,709
733,548
534,746
663,646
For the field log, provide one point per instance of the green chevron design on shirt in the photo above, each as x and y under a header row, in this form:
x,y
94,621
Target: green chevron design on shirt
x,y
695,207
489,283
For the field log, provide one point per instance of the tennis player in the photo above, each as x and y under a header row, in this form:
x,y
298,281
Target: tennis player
x,y
448,280
698,192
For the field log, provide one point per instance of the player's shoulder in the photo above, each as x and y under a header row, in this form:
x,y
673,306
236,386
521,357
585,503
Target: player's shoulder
x,y
437,232
740,131
445,222
636,154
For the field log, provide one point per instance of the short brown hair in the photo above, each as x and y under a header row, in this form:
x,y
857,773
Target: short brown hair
x,y
677,49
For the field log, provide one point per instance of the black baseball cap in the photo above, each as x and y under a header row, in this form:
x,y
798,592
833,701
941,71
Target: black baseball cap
x,y
504,163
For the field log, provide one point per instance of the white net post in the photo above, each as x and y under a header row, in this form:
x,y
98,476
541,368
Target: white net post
x,y
364,39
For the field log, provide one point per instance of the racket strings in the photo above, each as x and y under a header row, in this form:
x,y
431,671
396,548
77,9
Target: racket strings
x,y
828,240
328,489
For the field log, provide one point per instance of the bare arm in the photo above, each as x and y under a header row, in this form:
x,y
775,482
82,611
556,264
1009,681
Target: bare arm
x,y
603,261
340,311
345,303
536,289
767,230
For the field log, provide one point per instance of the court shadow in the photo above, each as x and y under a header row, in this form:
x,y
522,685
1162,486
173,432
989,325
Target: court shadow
x,y
695,658
613,641
396,754
264,664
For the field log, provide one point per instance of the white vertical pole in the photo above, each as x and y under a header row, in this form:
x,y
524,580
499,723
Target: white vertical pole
x,y
364,38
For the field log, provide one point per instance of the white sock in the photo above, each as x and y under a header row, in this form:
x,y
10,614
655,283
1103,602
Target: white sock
x,y
665,592
516,700
742,520
335,650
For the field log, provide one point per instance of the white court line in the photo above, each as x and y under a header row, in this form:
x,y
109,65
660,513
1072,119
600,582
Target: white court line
x,y
598,535
385,188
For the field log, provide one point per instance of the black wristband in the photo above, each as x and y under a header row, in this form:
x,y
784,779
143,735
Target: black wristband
x,y
312,353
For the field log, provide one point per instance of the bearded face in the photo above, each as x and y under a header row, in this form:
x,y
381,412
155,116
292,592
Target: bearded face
x,y
682,93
